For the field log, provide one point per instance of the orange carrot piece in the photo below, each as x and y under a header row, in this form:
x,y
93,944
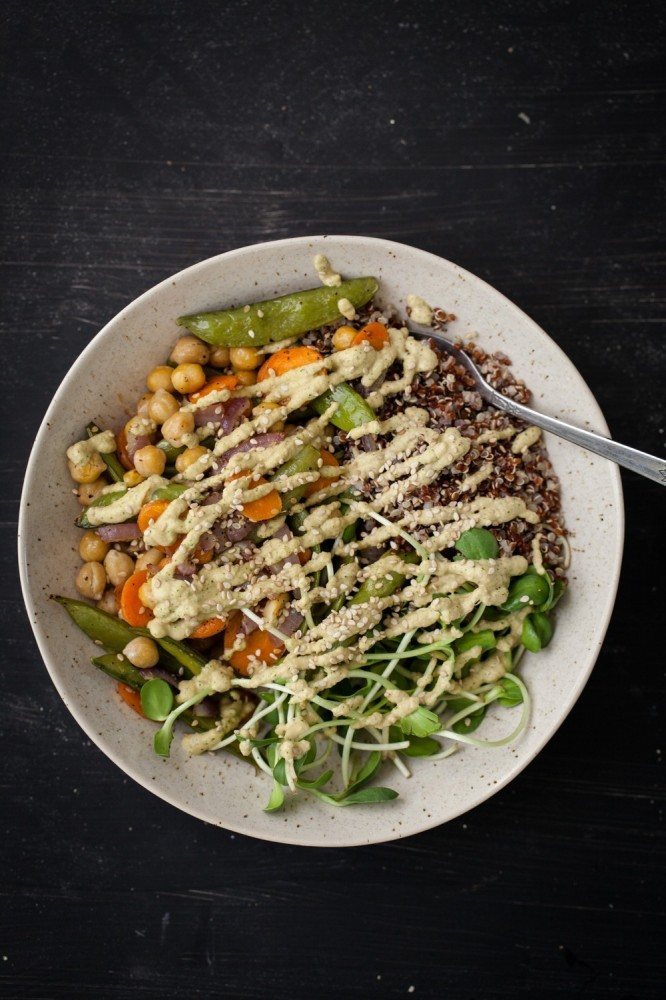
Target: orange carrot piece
x,y
131,698
323,481
374,334
214,384
265,507
150,512
287,359
132,610
121,450
259,646
204,630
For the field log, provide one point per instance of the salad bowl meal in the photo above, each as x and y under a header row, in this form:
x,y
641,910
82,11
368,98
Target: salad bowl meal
x,y
302,581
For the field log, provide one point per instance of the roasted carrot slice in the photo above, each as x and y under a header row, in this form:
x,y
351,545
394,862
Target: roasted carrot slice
x,y
214,384
205,630
150,512
287,359
374,334
259,646
265,507
323,481
121,450
131,698
132,610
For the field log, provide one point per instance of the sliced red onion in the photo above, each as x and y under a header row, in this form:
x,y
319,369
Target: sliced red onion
x,y
207,542
247,626
258,441
237,531
163,675
368,443
291,623
136,442
119,532
228,415
285,535
185,571
211,499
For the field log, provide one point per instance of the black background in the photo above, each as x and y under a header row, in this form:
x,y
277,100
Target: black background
x,y
524,141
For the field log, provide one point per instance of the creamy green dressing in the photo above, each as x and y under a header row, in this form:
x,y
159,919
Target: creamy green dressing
x,y
413,454
80,453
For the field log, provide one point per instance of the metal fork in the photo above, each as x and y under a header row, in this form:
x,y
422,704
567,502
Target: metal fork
x,y
638,461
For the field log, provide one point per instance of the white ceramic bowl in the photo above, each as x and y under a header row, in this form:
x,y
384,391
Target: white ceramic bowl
x,y
104,384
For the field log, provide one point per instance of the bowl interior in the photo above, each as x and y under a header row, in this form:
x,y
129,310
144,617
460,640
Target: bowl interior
x,y
105,383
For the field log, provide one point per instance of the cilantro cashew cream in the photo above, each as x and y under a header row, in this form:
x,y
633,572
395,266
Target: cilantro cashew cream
x,y
337,550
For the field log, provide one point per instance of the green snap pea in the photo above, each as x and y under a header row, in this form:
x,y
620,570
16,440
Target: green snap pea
x,y
537,631
121,670
170,492
305,460
485,639
277,319
110,459
384,586
170,451
529,590
113,634
352,411
103,500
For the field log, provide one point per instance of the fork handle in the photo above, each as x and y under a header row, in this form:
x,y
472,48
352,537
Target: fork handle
x,y
638,461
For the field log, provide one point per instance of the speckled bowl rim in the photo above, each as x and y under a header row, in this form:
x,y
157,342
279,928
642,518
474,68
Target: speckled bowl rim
x,y
283,835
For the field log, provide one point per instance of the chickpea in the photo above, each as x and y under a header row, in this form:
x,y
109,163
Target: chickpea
x,y
343,337
190,350
245,378
138,426
92,548
149,461
219,357
162,406
188,378
90,491
89,470
146,595
160,378
132,478
142,652
245,359
143,406
91,580
189,456
149,560
266,407
119,566
177,427
108,602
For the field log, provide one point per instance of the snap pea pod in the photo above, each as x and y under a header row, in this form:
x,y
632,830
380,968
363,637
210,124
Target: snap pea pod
x,y
110,459
385,585
278,319
352,409
305,460
170,451
113,634
101,501
120,669
170,492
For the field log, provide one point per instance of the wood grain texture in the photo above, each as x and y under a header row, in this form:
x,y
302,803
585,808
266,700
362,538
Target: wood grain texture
x,y
523,140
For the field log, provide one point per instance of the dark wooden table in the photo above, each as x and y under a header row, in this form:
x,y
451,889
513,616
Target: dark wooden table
x,y
524,141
